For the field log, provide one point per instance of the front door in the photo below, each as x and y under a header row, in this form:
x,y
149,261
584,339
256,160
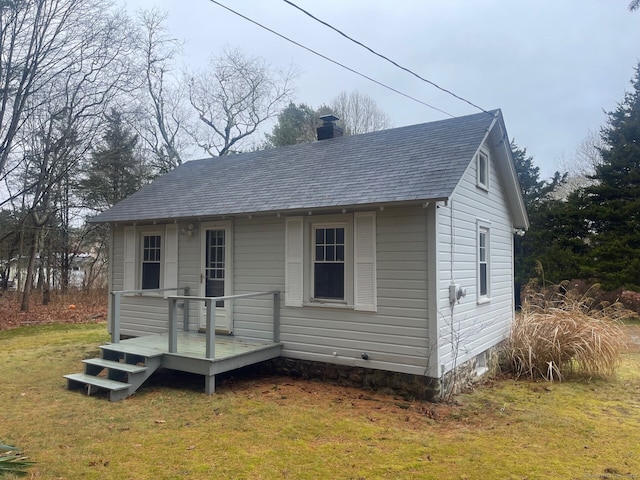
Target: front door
x,y
216,273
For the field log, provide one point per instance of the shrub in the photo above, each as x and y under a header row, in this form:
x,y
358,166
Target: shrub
x,y
12,461
559,332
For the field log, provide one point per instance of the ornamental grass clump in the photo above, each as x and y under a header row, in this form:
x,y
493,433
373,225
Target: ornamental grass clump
x,y
560,332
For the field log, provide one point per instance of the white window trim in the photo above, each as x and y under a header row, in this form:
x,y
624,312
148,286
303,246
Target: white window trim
x,y
487,169
141,261
228,254
360,261
483,227
312,263
133,257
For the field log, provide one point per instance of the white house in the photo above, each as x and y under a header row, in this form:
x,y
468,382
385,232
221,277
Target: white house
x,y
392,250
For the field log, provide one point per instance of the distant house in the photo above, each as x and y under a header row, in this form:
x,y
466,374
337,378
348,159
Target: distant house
x,y
392,250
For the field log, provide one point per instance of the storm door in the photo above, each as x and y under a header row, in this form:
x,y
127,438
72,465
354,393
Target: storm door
x,y
216,274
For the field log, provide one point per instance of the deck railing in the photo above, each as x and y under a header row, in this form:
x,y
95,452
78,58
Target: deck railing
x,y
210,302
116,302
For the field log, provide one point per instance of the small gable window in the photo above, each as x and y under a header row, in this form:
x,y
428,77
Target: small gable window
x,y
482,165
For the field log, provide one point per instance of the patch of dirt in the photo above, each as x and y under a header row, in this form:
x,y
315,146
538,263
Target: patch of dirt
x,y
74,307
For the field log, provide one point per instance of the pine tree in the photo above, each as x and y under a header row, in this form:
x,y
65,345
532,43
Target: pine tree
x,y
545,218
296,124
612,204
115,170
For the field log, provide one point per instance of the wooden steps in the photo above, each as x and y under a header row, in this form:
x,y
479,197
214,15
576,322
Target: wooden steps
x,y
117,372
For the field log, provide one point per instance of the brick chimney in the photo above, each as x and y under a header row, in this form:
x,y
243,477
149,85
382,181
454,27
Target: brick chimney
x,y
329,129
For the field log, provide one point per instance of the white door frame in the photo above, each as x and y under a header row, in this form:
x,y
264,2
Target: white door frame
x,y
224,315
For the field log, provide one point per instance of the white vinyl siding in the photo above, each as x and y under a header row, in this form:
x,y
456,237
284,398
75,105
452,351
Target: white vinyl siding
x,y
139,315
130,244
395,335
476,324
170,276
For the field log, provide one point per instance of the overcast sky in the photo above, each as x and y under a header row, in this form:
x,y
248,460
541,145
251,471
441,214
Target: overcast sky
x,y
552,66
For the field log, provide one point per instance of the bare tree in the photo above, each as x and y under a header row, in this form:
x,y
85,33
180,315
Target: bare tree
x,y
36,37
634,5
163,113
64,116
359,113
581,165
233,97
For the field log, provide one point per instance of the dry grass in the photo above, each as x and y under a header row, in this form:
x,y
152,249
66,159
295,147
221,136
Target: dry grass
x,y
560,332
270,427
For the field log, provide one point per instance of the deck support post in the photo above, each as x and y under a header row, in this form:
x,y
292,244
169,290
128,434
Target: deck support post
x,y
276,317
115,317
173,325
185,311
209,384
211,328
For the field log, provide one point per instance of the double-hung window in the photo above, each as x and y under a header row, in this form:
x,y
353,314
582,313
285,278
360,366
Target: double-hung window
x,y
484,267
150,257
329,262
151,261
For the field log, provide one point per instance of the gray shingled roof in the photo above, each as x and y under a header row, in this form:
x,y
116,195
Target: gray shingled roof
x,y
419,162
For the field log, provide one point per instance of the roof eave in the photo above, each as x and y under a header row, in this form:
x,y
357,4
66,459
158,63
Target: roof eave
x,y
320,210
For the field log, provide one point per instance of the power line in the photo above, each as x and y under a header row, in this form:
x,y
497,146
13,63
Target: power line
x,y
330,59
384,57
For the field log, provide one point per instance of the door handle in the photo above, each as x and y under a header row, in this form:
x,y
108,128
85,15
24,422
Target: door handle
x,y
201,277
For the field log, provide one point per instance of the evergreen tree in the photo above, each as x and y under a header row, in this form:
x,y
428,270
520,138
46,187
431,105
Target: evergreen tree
x,y
532,247
115,170
612,203
296,124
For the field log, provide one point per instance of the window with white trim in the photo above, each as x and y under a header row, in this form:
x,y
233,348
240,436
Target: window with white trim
x,y
328,262
484,267
150,257
151,261
482,166
331,261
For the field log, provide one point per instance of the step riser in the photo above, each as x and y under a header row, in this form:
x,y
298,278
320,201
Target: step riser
x,y
111,374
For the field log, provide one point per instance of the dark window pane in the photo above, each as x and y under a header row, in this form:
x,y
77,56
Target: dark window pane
x,y
340,236
331,253
340,253
150,275
319,236
329,281
483,279
215,288
330,238
319,254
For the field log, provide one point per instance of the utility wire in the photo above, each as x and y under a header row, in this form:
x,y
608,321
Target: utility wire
x,y
330,59
384,57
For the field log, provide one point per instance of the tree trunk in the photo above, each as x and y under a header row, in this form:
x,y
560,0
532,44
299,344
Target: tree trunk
x,y
28,283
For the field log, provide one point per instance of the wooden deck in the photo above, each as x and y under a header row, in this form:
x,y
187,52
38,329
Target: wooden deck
x,y
230,353
126,364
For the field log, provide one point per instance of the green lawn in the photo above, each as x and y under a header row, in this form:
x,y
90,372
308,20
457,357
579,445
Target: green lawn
x,y
280,428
